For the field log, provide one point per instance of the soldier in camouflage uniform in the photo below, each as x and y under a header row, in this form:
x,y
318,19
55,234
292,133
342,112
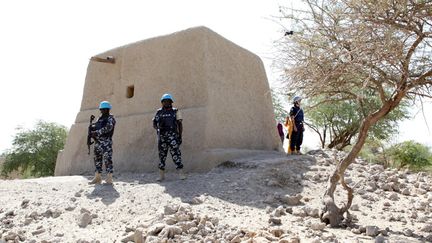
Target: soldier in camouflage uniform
x,y
168,123
102,132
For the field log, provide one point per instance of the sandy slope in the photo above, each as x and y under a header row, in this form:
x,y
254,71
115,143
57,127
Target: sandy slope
x,y
250,200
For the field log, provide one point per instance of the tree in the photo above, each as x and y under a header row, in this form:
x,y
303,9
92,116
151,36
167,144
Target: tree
x,y
340,121
280,112
354,49
35,151
410,154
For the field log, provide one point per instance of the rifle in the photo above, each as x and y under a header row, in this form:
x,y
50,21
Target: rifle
x,y
90,129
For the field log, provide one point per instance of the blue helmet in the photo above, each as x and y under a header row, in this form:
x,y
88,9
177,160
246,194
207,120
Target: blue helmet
x,y
167,97
105,105
297,98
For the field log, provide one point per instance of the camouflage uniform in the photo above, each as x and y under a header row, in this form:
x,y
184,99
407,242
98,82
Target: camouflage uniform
x,y
104,130
168,137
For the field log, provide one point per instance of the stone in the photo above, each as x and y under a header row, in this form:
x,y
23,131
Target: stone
x,y
28,220
372,231
406,192
290,240
377,168
84,210
184,208
84,220
170,209
138,236
261,239
236,239
380,239
279,211
299,211
193,230
11,236
197,200
318,226
70,208
56,213
276,221
277,232
407,232
420,191
170,221
34,215
312,212
387,187
355,207
427,228
38,232
24,203
156,229
393,196
292,200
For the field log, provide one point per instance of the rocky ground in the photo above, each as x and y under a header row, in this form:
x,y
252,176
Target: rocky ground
x,y
266,198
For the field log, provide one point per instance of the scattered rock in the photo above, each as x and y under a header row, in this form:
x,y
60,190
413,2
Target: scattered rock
x,y
70,208
312,212
370,230
355,207
28,220
427,228
156,229
408,232
299,211
393,196
197,200
170,231
277,232
279,211
292,200
25,203
170,209
275,221
38,232
380,239
318,226
84,220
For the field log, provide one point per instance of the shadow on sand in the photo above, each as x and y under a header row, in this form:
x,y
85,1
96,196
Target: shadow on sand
x,y
106,192
254,181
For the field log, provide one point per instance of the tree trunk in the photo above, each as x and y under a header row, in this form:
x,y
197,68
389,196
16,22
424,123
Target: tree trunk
x,y
331,213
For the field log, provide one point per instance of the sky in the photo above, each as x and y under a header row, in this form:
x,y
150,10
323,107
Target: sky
x,y
46,45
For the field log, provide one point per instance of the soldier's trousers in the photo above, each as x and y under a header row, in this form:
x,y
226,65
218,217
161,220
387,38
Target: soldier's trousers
x,y
296,140
169,140
103,154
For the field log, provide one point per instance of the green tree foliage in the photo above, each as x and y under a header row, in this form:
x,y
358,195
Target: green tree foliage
x,y
280,112
340,121
410,154
35,151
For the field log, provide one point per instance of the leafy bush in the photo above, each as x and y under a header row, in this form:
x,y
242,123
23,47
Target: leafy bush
x,y
34,152
410,154
374,151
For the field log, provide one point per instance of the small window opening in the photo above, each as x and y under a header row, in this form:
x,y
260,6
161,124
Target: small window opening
x,y
130,91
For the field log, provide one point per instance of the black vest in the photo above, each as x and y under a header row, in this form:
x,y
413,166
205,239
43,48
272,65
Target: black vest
x,y
167,119
102,122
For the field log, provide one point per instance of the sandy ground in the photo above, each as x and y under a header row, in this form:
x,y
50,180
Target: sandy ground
x,y
267,198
